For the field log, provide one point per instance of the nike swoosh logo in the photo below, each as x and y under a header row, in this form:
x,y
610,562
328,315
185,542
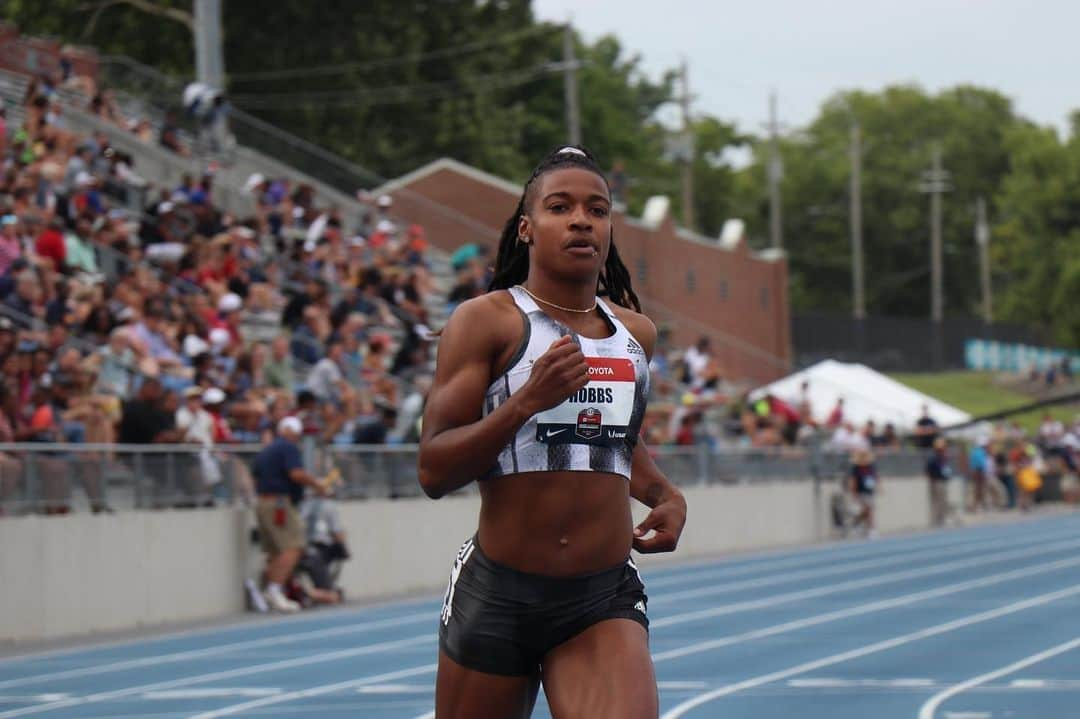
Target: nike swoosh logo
x,y
552,433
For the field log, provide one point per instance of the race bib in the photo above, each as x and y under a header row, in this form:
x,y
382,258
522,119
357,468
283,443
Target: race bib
x,y
598,413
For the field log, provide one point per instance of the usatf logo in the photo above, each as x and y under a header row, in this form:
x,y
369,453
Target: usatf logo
x,y
633,347
589,423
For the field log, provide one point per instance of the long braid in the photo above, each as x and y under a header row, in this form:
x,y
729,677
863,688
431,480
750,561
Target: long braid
x,y
615,281
512,259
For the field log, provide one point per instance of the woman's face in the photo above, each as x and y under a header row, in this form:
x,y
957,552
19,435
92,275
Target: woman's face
x,y
568,222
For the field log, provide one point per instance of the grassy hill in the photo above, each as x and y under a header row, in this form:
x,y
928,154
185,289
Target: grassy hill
x,y
978,393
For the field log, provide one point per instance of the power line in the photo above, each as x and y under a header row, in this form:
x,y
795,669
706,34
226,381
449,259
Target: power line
x,y
397,94
324,70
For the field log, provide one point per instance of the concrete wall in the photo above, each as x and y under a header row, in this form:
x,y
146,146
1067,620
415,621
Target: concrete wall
x,y
77,574
65,576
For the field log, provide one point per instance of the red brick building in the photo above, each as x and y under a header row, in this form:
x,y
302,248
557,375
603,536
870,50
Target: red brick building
x,y
37,55
693,285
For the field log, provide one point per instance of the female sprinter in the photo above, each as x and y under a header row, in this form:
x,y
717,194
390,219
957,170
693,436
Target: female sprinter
x,y
539,393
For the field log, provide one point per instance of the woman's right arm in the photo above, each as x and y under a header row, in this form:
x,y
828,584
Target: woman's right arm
x,y
457,443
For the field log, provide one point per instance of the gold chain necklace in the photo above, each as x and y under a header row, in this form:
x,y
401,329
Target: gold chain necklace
x,y
552,304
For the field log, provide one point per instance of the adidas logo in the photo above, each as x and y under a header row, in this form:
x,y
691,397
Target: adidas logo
x,y
633,347
640,606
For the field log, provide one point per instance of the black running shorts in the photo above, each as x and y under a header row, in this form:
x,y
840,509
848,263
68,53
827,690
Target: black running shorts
x,y
498,620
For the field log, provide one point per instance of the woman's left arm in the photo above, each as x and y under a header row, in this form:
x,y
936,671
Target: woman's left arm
x,y
649,486
660,530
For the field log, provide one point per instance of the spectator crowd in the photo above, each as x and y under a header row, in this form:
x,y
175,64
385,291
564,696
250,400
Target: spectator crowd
x,y
177,322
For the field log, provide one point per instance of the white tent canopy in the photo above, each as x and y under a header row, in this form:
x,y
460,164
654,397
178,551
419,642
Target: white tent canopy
x,y
867,394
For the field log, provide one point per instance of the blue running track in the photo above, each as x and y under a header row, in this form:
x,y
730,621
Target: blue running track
x,y
977,623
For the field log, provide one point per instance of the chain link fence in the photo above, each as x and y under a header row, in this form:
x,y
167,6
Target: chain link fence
x,y
62,478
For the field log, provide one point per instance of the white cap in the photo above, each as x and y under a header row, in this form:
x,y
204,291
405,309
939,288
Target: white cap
x,y
254,180
230,302
357,241
385,200
213,396
164,207
195,345
219,337
291,425
84,178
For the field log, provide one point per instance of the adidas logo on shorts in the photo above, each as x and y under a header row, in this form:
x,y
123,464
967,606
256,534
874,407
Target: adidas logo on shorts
x,y
640,606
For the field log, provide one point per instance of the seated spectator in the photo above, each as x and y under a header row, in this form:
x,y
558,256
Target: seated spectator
x,y
26,301
375,430
326,380
146,418
50,246
278,371
149,336
10,246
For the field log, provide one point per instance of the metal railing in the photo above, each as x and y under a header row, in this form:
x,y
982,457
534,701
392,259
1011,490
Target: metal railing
x,y
61,478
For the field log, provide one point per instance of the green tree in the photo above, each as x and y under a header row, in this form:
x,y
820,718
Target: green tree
x,y
900,126
1036,242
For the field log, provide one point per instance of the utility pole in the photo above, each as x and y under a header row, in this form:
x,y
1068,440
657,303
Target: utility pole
x,y
858,288
935,182
570,68
209,60
776,171
688,150
982,239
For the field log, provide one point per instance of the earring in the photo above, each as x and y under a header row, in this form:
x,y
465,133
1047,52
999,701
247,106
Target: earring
x,y
524,240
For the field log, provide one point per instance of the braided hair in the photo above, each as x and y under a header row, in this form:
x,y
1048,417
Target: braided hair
x,y
512,260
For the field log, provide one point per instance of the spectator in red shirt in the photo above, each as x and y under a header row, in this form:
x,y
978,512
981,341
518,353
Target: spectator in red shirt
x,y
50,245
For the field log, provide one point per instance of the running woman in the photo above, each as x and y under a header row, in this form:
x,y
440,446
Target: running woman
x,y
539,393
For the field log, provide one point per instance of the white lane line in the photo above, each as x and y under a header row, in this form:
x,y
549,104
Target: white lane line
x,y
790,626
842,568
839,683
682,708
680,686
983,544
927,710
860,609
830,554
158,659
34,698
873,581
396,689
211,693
318,691
227,674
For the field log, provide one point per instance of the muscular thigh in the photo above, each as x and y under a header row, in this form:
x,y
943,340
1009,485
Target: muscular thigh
x,y
462,693
606,671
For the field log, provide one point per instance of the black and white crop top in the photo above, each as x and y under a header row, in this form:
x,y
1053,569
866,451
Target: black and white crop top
x,y
596,429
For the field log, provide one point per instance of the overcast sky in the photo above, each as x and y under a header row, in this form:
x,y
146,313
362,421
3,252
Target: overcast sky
x,y
738,50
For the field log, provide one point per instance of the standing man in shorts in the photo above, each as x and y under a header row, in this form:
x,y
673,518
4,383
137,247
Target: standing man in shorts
x,y
280,478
